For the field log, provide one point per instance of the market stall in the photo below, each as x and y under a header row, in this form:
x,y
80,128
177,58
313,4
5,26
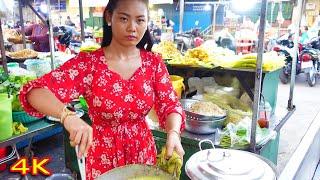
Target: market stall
x,y
258,82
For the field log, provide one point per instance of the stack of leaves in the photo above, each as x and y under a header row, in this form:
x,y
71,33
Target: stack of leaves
x,y
271,61
172,165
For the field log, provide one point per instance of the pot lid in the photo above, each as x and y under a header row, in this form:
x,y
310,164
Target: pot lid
x,y
228,164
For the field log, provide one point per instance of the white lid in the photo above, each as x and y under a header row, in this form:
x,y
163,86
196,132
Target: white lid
x,y
228,164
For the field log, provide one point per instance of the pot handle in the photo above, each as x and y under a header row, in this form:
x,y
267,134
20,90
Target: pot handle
x,y
205,140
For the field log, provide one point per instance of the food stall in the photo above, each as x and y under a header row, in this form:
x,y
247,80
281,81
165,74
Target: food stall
x,y
259,80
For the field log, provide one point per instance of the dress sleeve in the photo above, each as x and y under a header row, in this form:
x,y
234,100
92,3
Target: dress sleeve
x,y
166,100
67,82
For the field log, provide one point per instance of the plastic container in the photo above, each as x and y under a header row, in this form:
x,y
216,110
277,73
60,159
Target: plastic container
x,y
5,117
177,83
13,64
23,117
265,111
40,67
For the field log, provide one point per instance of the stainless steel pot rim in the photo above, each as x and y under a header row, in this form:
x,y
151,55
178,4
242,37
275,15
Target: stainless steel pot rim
x,y
200,121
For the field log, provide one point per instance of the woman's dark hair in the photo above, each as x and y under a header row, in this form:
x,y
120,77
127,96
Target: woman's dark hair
x,y
146,41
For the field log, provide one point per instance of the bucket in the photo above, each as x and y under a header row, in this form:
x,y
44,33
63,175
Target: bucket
x,y
6,117
177,83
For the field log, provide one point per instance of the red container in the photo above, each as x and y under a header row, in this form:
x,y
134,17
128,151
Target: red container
x,y
3,153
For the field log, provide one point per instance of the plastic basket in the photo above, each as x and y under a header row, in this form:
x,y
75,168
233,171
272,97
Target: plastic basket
x,y
23,117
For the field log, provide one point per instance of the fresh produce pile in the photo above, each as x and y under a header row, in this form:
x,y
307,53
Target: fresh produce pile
x,y
14,37
209,57
271,61
18,128
98,33
89,47
23,54
168,51
12,84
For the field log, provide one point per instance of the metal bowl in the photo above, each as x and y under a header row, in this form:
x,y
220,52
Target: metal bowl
x,y
204,127
186,105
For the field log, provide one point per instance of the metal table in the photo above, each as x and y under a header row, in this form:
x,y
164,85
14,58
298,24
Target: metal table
x,y
34,129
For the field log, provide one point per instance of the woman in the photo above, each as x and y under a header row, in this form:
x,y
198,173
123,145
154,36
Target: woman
x,y
121,82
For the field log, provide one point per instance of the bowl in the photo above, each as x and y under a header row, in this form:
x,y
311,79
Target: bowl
x,y
204,127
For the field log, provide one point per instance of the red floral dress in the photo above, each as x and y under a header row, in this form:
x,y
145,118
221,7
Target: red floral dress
x,y
117,107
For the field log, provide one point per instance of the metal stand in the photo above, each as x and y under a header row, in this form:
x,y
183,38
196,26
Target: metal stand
x,y
295,55
3,51
81,21
257,86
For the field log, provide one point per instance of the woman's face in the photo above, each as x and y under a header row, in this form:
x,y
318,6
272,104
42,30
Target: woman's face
x,y
129,22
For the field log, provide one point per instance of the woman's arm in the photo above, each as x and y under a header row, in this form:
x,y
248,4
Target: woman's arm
x,y
44,101
173,125
47,95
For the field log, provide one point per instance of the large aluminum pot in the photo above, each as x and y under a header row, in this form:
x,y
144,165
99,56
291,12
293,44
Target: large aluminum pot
x,y
60,176
136,171
227,164
204,127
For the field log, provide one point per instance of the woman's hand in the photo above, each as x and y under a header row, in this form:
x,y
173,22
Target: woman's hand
x,y
80,134
174,143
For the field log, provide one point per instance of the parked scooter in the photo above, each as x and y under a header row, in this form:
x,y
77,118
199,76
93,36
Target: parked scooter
x,y
310,56
284,47
307,59
188,40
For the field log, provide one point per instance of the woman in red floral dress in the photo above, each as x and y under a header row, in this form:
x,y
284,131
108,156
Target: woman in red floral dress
x,y
120,82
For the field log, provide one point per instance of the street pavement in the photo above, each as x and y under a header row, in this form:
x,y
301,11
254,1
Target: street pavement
x,y
307,102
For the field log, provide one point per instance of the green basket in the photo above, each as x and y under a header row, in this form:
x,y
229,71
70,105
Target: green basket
x,y
23,117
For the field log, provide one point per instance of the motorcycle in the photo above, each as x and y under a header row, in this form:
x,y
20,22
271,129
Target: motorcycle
x,y
188,40
307,59
310,55
284,47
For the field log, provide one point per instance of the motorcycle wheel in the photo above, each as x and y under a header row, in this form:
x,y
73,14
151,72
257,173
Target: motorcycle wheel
x,y
284,78
312,77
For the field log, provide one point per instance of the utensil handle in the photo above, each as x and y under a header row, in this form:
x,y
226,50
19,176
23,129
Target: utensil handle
x,y
205,140
81,164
